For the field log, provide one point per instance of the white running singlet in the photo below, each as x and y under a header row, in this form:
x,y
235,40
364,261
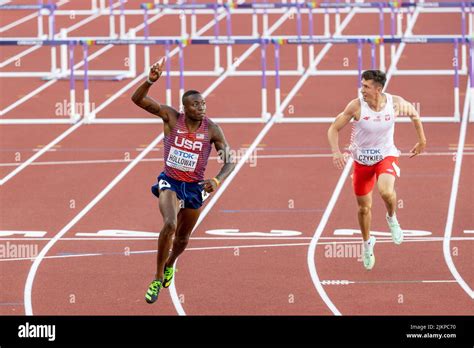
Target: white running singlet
x,y
372,135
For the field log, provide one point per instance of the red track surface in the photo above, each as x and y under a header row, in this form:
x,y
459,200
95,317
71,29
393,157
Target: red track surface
x,y
288,189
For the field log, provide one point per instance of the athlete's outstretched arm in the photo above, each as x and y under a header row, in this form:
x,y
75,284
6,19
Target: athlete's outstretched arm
x,y
225,154
141,98
340,122
406,108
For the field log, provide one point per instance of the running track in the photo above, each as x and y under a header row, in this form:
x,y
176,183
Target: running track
x,y
289,188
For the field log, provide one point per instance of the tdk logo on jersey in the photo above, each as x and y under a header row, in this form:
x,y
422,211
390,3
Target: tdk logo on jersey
x,y
188,144
370,151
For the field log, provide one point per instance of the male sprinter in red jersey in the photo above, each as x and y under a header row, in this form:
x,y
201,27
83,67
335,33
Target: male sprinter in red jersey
x,y
181,187
375,155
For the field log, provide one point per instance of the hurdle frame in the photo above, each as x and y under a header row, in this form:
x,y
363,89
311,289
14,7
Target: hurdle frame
x,y
299,40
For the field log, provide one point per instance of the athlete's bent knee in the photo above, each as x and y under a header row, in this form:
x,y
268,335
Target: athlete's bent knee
x,y
169,227
364,209
386,194
182,241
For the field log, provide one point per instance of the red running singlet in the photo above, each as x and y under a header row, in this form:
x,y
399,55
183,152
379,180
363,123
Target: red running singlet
x,y
186,154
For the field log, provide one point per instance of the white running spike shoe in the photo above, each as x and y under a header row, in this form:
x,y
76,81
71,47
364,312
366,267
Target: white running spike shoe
x,y
395,229
369,257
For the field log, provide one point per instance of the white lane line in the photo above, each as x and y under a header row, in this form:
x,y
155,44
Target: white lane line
x,y
39,153
65,229
220,247
452,201
319,230
348,282
282,156
173,292
337,191
18,56
27,97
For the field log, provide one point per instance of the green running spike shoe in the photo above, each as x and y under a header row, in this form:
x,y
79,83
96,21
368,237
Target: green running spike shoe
x,y
153,291
169,274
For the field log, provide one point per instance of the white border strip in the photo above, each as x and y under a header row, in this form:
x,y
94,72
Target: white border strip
x,y
452,200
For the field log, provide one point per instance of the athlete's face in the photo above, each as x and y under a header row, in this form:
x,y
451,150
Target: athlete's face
x,y
195,107
370,90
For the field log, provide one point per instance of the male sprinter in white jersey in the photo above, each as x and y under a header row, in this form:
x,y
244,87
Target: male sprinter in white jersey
x,y
181,187
374,153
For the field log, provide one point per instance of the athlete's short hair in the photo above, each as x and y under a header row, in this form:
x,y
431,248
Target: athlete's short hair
x,y
377,76
188,93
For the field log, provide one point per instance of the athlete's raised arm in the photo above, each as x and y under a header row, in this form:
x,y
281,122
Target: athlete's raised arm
x,y
406,108
352,110
141,98
224,151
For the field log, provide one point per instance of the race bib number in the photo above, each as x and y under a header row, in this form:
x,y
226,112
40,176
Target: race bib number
x,y
369,156
182,160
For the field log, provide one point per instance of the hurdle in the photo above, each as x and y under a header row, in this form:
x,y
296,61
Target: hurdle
x,y
41,8
395,9
277,42
62,72
72,105
90,116
360,42
300,40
